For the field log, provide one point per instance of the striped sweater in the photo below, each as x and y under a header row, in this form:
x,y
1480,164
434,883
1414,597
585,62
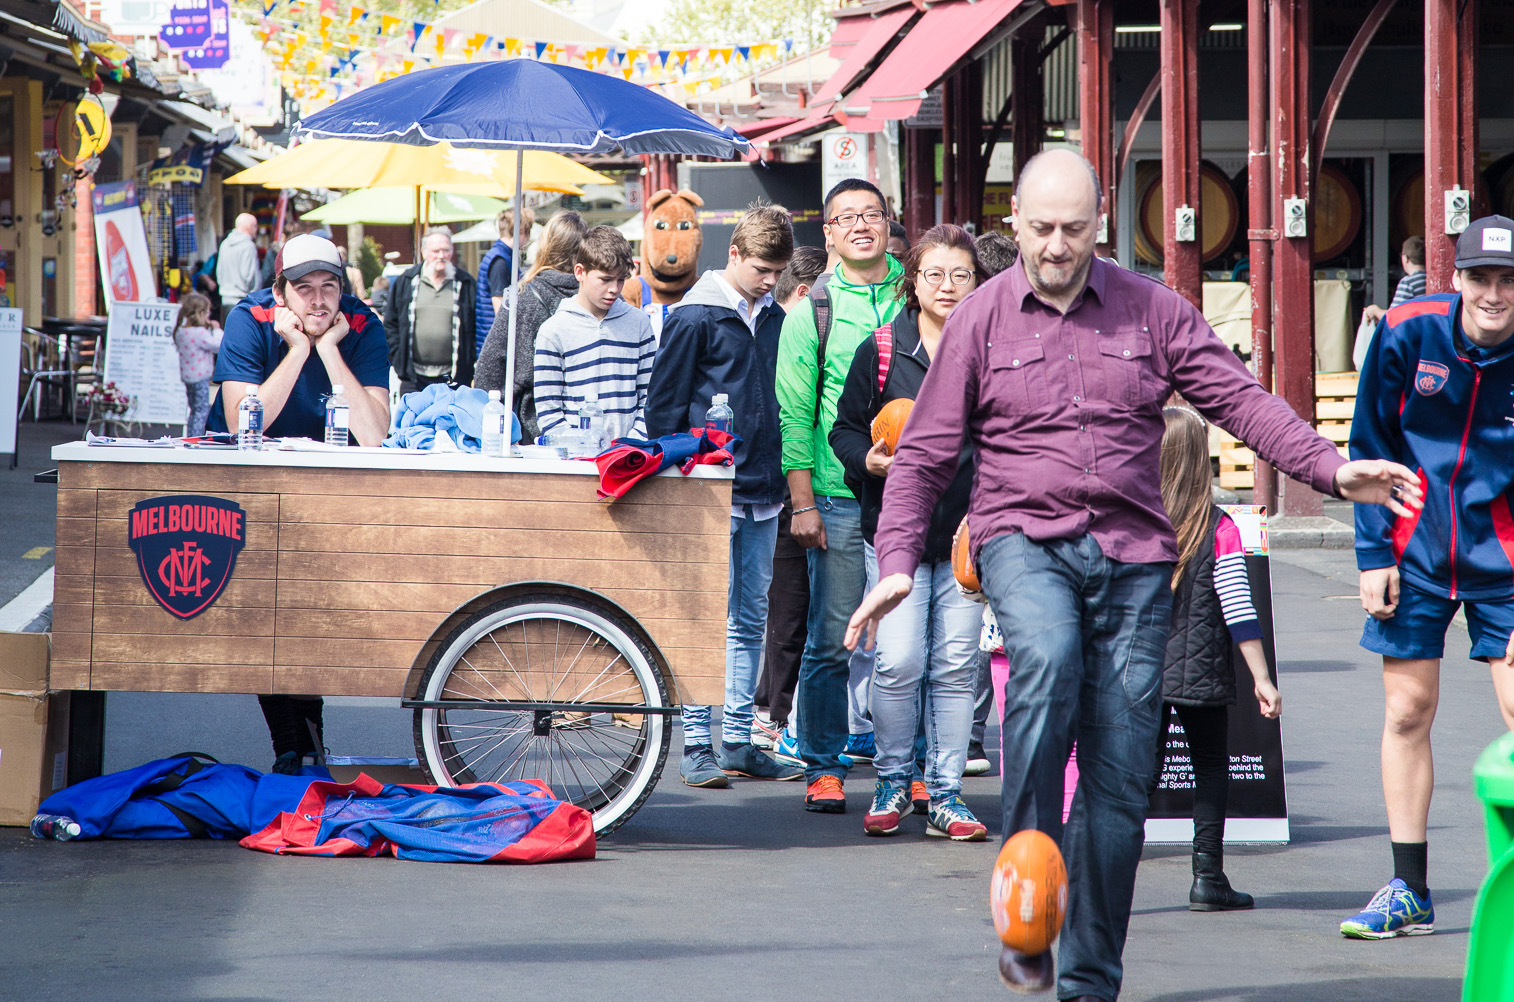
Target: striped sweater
x,y
576,352
1231,583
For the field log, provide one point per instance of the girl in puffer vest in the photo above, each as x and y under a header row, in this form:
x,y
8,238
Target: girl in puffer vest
x,y
1211,611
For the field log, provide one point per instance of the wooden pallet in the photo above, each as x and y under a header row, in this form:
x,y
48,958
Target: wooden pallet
x,y
1334,403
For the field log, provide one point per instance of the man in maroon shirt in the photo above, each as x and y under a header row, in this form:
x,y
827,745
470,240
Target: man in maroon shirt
x,y
1058,369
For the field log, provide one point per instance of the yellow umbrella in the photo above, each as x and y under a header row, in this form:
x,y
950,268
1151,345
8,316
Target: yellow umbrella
x,y
352,163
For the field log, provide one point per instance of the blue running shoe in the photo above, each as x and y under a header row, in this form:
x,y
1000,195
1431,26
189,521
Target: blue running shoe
x,y
786,750
1393,911
859,748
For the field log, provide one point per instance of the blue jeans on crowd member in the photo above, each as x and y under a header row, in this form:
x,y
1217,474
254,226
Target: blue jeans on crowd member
x,y
837,577
1087,636
752,544
930,639
859,683
198,396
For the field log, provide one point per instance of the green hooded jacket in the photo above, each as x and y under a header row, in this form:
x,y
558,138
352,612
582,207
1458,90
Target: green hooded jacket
x,y
856,311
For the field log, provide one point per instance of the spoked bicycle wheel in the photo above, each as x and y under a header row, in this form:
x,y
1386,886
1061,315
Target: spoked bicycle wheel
x,y
548,687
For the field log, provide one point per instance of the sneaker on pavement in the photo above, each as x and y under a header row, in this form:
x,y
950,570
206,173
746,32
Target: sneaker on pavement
x,y
890,805
859,748
750,761
699,768
1393,911
977,761
787,749
765,733
951,819
919,797
825,796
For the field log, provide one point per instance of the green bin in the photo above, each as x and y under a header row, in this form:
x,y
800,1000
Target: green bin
x,y
1490,952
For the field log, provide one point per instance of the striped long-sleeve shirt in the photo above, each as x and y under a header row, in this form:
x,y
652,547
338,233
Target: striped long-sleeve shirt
x,y
1231,583
577,352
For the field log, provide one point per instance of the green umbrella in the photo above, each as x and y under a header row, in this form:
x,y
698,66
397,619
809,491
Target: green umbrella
x,y
397,205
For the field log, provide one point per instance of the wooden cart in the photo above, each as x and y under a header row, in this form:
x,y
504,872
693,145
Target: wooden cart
x,y
533,630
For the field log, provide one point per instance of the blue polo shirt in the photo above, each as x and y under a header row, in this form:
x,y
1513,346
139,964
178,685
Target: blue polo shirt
x,y
252,349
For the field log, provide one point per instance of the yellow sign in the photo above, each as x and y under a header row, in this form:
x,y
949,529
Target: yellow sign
x,y
83,134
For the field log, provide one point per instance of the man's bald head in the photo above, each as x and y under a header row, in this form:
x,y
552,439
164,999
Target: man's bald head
x,y
1056,214
248,224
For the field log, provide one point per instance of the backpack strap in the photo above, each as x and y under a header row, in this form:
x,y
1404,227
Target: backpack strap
x,y
884,336
820,300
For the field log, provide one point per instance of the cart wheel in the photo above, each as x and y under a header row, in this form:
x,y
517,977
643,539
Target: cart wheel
x,y
551,651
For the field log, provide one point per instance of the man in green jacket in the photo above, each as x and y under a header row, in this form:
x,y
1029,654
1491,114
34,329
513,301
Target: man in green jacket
x,y
857,299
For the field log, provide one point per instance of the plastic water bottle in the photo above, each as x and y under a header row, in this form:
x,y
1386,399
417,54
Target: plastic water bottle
x,y
338,417
55,826
720,417
494,426
250,421
591,425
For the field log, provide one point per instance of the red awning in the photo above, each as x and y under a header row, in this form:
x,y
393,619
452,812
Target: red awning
x,y
878,33
936,42
845,35
753,130
807,125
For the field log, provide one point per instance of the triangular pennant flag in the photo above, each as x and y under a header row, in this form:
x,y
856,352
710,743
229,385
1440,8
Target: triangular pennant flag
x,y
328,6
408,65
268,8
448,35
353,38
387,24
510,46
744,51
418,28
541,49
572,51
626,72
354,15
662,56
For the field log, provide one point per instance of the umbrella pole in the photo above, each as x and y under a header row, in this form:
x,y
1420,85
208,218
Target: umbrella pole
x,y
417,226
515,254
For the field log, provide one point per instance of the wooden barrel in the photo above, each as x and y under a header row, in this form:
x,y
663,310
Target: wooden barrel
x,y
1408,212
1219,215
1337,212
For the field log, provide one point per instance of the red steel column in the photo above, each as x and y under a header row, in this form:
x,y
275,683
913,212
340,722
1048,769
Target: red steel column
x,y
1260,234
86,269
1293,275
950,142
1450,126
1095,30
919,181
1180,144
969,133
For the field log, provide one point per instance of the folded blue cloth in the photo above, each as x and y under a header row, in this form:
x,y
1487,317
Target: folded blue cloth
x,y
439,409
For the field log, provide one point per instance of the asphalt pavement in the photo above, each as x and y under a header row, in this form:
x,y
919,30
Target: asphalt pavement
x,y
737,894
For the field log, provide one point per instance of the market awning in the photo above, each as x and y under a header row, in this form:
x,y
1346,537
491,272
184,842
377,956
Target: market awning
x,y
755,130
936,43
876,35
799,128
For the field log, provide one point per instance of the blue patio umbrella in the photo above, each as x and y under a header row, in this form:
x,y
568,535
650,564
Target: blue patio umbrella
x,y
522,104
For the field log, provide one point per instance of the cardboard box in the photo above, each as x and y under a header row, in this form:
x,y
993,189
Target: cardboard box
x,y
406,772
33,728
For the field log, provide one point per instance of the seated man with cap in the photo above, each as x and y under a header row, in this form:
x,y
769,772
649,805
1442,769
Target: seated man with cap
x,y
297,340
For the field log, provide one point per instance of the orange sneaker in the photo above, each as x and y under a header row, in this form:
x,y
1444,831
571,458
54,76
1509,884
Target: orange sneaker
x,y
825,795
919,797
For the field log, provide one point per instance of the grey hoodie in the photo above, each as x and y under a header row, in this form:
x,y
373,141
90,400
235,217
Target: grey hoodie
x,y
577,351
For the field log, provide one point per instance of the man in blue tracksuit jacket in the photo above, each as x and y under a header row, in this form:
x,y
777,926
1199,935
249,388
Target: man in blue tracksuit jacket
x,y
1437,394
723,338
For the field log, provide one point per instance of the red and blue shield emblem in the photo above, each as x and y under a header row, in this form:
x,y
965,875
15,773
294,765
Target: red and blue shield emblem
x,y
1430,378
186,547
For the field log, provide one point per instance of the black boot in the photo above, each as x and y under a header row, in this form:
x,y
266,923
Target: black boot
x,y
1211,889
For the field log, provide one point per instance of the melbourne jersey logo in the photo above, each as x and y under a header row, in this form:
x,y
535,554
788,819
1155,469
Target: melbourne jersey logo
x,y
1430,378
186,547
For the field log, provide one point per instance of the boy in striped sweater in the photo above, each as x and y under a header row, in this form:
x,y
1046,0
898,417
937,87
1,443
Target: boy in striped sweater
x,y
596,342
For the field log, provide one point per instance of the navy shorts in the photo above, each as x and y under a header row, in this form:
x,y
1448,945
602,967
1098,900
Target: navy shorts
x,y
1417,630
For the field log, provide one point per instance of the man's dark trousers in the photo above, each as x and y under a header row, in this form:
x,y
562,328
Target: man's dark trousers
x,y
1086,637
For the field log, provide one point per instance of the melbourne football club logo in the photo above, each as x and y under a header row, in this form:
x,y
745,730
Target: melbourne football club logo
x,y
186,548
1430,378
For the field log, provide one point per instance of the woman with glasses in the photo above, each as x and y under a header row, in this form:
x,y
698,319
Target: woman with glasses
x,y
931,640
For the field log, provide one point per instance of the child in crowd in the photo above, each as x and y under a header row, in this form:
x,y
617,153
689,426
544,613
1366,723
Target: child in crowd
x,y
596,342
1211,609
723,339
930,641
198,338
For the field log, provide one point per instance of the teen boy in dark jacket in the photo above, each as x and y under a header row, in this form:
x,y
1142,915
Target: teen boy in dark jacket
x,y
723,338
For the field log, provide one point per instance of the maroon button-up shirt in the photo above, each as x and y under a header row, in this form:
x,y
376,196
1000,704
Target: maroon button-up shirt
x,y
1066,414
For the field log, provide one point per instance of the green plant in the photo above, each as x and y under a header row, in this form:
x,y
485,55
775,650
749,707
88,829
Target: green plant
x,y
370,261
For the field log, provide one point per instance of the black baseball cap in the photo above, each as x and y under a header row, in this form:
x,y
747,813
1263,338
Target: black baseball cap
x,y
1487,241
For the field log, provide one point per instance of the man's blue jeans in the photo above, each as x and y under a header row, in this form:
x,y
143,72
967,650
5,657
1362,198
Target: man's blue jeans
x,y
1086,637
837,578
752,545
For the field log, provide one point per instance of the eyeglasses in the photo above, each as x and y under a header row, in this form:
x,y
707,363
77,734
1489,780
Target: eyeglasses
x,y
847,220
935,276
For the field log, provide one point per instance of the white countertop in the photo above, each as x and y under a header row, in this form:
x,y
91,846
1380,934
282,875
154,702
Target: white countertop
x,y
353,458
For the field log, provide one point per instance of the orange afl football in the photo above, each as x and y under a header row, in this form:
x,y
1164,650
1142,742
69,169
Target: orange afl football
x,y
1028,892
962,560
889,424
